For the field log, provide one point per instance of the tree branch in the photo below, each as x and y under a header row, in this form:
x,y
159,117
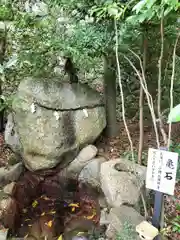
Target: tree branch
x,y
143,82
164,135
123,113
172,85
141,99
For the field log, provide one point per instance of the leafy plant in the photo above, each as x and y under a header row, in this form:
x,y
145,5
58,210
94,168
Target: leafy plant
x,y
152,10
176,224
175,147
128,155
5,102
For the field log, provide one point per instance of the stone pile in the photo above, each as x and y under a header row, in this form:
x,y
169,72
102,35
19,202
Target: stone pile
x,y
51,130
114,181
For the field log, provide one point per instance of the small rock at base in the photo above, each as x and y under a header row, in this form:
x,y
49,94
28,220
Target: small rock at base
x,y
79,238
9,188
3,234
10,174
91,172
104,217
85,155
102,201
120,217
9,212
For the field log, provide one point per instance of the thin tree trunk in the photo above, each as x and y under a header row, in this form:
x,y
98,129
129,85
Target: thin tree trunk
x,y
161,125
141,125
141,102
110,95
3,36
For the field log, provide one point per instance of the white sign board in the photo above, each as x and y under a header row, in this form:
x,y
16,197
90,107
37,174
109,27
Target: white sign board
x,y
161,171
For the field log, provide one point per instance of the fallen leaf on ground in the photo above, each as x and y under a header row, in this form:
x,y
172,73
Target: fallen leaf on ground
x,y
34,204
80,233
49,224
74,205
93,215
52,212
60,237
28,219
45,198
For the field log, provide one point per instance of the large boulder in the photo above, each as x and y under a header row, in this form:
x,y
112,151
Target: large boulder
x,y
122,182
54,119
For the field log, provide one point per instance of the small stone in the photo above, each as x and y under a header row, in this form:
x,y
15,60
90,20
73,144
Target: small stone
x,y
104,217
6,204
9,188
79,238
111,232
120,217
85,155
102,201
2,194
3,234
9,212
91,172
11,173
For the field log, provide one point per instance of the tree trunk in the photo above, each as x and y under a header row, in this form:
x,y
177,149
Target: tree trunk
x,y
141,125
2,56
1,113
141,102
110,94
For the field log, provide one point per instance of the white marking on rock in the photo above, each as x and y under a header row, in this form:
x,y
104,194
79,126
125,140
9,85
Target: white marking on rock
x,y
33,108
57,115
85,113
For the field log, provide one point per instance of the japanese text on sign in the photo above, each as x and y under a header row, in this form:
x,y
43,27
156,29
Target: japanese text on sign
x,y
161,171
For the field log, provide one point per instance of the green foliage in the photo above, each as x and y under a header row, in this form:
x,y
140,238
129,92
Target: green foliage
x,y
69,28
176,221
128,156
175,147
5,102
6,13
84,30
153,10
